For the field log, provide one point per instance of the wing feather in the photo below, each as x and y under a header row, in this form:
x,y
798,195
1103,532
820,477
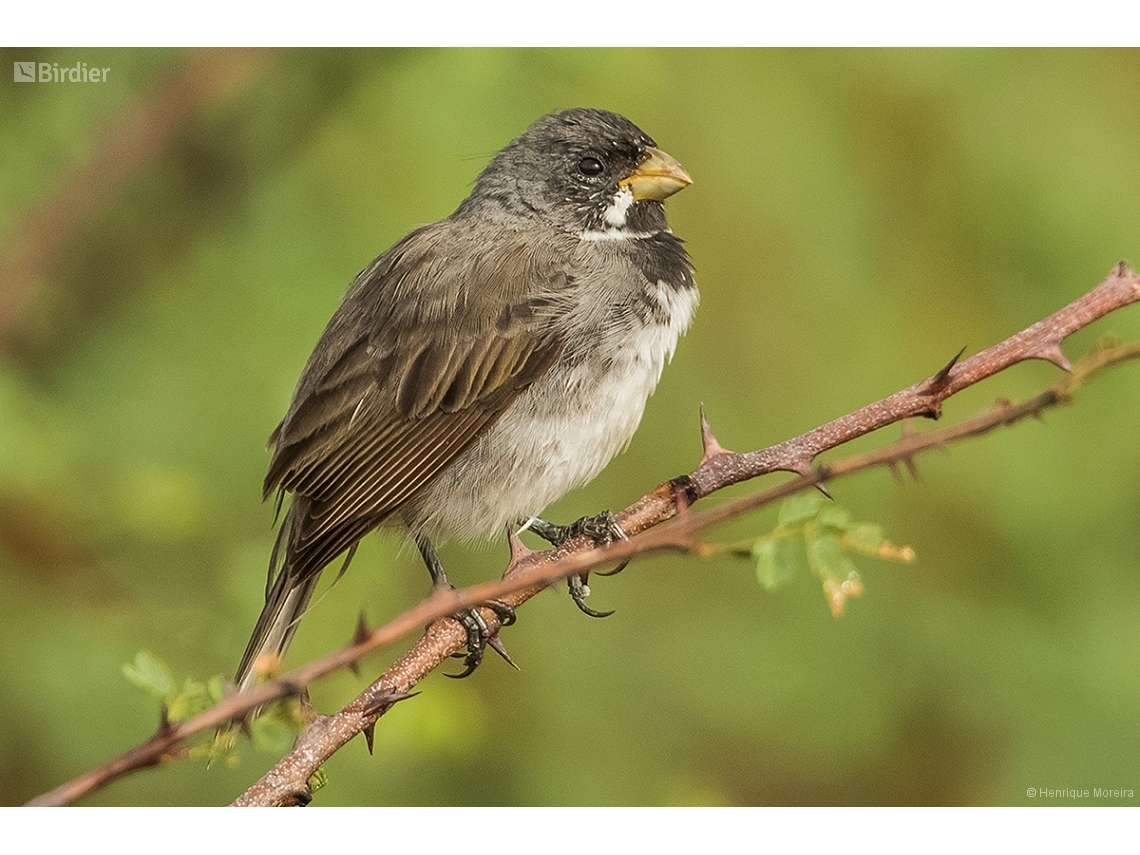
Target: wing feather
x,y
400,386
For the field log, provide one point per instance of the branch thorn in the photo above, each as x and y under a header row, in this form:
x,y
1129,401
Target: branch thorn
x,y
496,644
712,448
360,636
802,467
936,384
519,550
911,467
1052,353
380,700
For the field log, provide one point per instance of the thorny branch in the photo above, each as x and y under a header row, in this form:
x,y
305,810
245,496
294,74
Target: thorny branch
x,y
530,572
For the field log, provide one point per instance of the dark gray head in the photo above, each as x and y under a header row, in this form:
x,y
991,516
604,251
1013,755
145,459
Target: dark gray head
x,y
579,170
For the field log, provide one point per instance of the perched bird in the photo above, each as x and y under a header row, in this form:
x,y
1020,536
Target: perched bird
x,y
486,364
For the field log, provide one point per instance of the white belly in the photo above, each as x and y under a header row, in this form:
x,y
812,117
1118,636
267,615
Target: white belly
x,y
559,434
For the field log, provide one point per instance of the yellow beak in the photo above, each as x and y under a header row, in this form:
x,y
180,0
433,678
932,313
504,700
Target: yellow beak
x,y
658,177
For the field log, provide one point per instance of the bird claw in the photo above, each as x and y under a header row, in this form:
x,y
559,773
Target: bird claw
x,y
603,529
616,570
479,636
579,591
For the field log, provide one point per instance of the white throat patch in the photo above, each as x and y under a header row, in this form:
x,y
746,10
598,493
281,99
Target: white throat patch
x,y
615,217
619,234
619,208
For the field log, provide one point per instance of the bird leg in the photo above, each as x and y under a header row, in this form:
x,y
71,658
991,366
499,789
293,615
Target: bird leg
x,y
603,529
479,635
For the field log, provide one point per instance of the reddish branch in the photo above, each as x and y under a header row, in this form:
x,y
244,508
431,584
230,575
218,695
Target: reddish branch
x,y
530,572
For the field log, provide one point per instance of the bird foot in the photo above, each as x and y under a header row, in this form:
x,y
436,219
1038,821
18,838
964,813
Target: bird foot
x,y
480,636
579,590
603,529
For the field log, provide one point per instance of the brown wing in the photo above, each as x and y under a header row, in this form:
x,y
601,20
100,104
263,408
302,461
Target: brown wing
x,y
425,354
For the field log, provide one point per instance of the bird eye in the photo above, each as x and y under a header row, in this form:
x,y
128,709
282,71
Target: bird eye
x,y
590,166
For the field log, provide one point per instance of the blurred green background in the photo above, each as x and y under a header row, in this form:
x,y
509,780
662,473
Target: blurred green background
x,y
173,241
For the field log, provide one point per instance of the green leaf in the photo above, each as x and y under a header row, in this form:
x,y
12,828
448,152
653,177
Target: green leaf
x,y
827,559
193,699
834,517
777,560
150,674
800,508
822,534
216,687
865,538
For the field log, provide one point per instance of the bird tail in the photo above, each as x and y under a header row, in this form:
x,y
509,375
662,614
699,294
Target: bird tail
x,y
288,594
285,604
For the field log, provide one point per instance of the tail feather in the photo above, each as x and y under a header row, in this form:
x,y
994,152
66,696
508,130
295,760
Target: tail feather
x,y
284,605
287,595
294,570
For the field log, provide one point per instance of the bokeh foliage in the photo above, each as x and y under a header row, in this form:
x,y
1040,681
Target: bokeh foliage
x,y
174,240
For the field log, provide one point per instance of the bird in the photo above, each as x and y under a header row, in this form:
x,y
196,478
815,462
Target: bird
x,y
484,365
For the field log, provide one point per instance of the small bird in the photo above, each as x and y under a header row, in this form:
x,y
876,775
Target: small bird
x,y
486,364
